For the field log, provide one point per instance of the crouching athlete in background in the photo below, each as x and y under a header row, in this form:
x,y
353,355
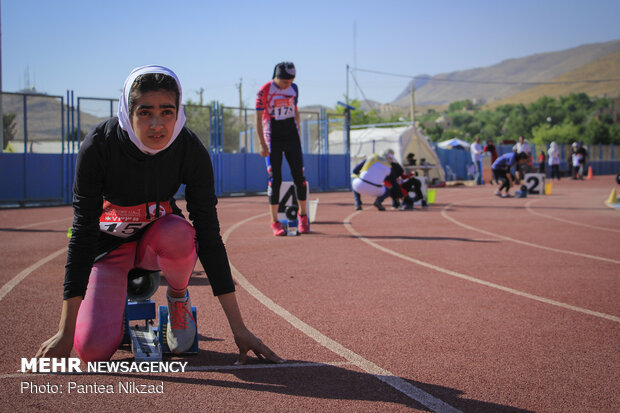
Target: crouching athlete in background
x,y
128,170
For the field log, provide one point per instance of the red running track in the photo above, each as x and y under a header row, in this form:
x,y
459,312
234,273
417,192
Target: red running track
x,y
478,304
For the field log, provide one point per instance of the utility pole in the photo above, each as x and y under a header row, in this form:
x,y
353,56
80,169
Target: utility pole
x,y
412,103
200,93
354,53
346,96
240,87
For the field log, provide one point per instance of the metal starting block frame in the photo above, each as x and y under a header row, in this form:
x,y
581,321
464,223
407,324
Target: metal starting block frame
x,y
290,226
148,343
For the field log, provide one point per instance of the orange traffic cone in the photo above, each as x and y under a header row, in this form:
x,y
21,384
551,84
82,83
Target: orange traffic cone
x,y
590,175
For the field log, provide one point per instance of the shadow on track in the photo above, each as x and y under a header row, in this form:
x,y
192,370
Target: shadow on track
x,y
318,381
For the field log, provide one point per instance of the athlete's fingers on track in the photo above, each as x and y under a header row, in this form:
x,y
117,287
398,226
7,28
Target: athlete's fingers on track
x,y
251,342
266,353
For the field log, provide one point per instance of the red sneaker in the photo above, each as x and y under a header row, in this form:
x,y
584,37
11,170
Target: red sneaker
x,y
304,224
278,231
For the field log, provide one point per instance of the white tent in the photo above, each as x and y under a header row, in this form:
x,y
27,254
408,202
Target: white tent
x,y
402,140
454,143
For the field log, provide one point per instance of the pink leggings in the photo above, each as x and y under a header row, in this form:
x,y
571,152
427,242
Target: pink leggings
x,y
168,245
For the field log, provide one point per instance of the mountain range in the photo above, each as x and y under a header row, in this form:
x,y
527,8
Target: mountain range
x,y
528,78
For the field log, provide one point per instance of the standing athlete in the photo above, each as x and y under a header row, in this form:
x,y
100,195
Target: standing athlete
x,y
277,124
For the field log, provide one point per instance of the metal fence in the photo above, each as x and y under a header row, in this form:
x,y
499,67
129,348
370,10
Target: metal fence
x,y
44,134
604,159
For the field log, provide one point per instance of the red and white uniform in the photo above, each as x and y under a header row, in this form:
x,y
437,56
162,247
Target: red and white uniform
x,y
279,107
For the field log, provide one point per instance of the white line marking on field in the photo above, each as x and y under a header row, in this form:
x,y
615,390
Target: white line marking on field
x,y
6,288
46,222
349,227
385,376
529,244
531,211
266,366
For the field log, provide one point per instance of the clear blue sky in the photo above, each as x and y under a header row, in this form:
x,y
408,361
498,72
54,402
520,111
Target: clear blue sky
x,y
90,46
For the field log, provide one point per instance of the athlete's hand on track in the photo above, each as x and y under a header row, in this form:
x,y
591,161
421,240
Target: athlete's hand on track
x,y
57,346
247,341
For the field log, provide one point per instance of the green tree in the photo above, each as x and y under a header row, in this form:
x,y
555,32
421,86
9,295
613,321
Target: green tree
x,y
597,132
516,124
565,133
460,105
8,126
199,120
435,132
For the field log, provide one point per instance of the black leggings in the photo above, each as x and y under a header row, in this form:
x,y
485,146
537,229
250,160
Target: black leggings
x,y
555,171
502,175
290,147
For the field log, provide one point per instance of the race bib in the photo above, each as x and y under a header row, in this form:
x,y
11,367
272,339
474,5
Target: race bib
x,y
284,108
123,222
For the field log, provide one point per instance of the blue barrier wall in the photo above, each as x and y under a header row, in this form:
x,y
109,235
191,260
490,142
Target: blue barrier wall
x,y
28,178
33,179
247,173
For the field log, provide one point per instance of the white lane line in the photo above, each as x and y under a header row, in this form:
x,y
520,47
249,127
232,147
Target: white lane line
x,y
46,222
266,366
347,224
6,288
369,367
529,244
533,212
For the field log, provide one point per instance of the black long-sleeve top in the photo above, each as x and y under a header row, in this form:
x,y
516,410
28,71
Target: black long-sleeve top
x,y
111,168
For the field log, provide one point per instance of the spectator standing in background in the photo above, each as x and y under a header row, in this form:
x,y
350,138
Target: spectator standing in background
x,y
583,160
553,156
490,147
576,161
542,161
523,146
476,157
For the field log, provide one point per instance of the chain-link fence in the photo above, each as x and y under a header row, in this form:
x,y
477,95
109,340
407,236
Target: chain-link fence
x,y
240,136
32,123
200,122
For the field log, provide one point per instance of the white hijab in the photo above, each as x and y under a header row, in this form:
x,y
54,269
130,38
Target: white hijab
x,y
124,117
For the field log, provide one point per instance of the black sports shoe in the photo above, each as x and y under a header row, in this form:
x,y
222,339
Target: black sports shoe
x,y
379,206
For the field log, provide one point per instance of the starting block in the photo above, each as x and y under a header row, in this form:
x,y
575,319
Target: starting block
x,y
289,207
522,193
148,343
143,339
290,222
